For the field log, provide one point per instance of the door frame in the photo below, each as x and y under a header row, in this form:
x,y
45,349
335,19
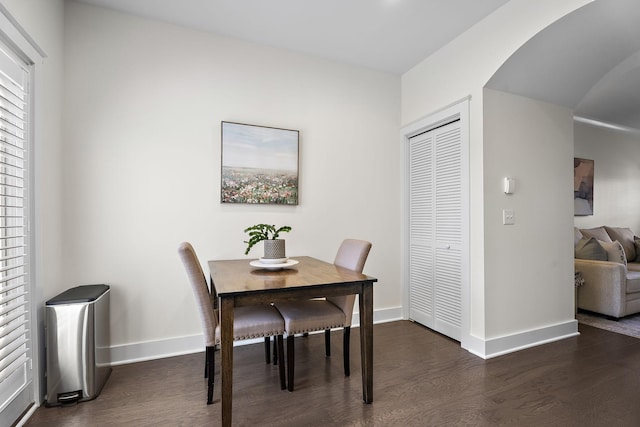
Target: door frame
x,y
458,110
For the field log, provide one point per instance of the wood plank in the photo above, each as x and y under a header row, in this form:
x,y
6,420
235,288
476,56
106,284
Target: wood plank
x,y
421,378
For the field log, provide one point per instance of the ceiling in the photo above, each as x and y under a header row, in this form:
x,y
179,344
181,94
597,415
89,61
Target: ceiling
x,y
386,35
588,61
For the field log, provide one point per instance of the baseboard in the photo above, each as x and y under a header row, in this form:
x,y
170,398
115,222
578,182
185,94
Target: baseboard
x,y
177,346
499,346
151,350
382,315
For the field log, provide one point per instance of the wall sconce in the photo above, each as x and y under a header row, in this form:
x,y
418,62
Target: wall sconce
x,y
509,185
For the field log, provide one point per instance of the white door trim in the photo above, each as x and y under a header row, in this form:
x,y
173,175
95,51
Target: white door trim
x,y
456,111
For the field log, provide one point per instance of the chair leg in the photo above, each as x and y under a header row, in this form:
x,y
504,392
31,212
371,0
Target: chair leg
x,y
275,350
210,367
280,342
290,361
327,342
267,349
345,351
206,364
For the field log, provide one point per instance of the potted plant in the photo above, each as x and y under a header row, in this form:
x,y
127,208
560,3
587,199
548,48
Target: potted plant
x,y
274,248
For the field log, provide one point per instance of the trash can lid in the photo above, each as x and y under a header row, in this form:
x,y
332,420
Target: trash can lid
x,y
85,293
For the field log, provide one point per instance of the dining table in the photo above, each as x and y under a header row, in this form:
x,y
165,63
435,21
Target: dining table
x,y
240,283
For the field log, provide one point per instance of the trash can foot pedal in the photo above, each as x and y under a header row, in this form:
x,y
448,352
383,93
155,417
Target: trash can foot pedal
x,y
70,397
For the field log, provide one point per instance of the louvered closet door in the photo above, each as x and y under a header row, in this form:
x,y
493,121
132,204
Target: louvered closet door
x,y
435,217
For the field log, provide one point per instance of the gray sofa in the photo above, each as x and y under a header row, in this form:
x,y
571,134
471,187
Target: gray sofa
x,y
608,258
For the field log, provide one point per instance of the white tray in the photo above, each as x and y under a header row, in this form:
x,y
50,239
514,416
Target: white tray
x,y
289,263
273,260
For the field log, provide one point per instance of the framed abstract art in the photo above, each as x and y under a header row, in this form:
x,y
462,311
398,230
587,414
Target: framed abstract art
x,y
582,186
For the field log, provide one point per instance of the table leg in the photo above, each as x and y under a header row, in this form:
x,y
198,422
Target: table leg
x,y
226,363
366,341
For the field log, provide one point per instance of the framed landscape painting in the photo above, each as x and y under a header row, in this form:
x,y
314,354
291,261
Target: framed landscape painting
x,y
259,164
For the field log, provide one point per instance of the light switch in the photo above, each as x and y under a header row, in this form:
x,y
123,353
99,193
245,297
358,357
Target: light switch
x,y
508,217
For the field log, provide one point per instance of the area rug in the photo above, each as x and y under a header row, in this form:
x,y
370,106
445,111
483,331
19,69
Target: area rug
x,y
629,325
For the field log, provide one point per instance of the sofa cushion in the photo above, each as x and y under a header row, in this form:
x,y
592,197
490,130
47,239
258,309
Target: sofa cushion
x,y
633,281
599,233
589,248
615,252
636,243
625,237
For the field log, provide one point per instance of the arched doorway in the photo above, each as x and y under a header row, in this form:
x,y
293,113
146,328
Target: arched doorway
x,y
586,63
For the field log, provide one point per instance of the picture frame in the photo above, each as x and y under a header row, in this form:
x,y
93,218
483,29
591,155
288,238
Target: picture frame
x,y
259,164
583,172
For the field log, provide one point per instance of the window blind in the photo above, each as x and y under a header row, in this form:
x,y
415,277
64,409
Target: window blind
x,y
15,369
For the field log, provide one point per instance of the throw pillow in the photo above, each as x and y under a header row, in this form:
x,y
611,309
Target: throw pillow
x,y
625,237
615,252
577,235
599,233
589,248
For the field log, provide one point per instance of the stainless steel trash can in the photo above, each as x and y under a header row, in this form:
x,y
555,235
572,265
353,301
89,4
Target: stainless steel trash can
x,y
77,344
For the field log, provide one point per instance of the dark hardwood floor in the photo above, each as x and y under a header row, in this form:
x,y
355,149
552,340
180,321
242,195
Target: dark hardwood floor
x,y
421,379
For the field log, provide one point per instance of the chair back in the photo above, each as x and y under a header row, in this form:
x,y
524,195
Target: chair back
x,y
200,289
352,254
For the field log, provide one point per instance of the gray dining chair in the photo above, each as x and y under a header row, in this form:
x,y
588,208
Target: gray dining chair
x,y
304,316
260,321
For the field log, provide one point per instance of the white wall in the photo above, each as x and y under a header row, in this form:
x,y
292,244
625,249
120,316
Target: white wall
x,y
529,264
616,175
460,69
142,162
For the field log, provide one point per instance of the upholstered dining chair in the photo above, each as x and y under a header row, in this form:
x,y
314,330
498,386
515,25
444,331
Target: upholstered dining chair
x,y
303,316
248,322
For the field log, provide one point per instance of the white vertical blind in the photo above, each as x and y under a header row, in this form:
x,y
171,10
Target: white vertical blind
x,y
15,352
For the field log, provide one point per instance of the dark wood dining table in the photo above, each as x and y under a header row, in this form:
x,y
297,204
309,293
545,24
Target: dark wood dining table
x,y
239,284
